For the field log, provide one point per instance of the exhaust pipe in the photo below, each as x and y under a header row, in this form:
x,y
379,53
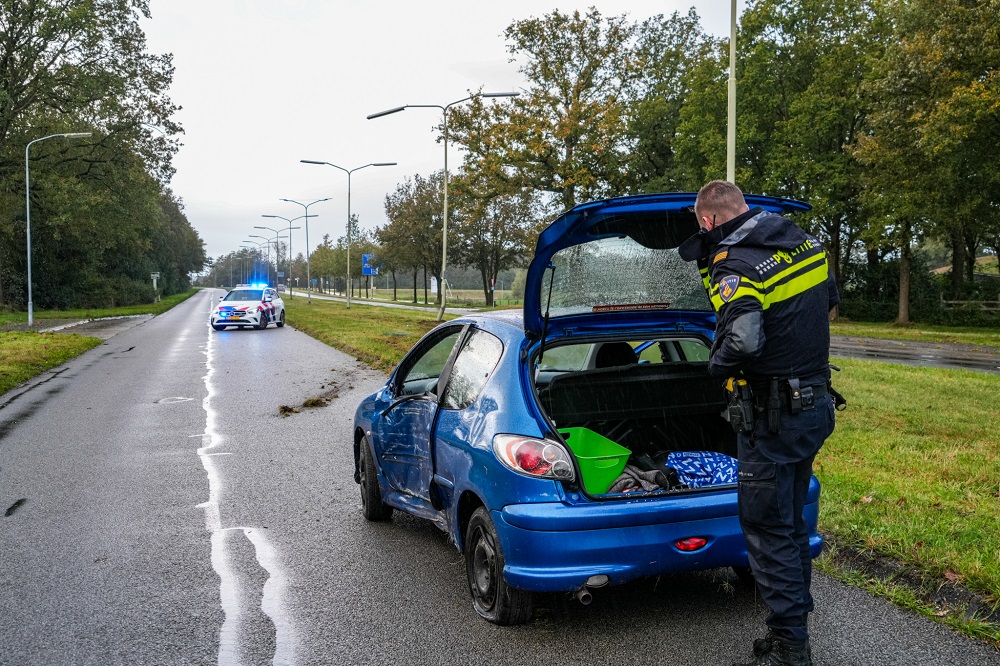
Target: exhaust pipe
x,y
584,596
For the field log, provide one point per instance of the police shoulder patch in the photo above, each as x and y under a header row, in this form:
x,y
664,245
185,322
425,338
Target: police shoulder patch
x,y
728,286
719,257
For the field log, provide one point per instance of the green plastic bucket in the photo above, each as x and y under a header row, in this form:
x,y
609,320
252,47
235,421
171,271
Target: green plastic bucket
x,y
601,460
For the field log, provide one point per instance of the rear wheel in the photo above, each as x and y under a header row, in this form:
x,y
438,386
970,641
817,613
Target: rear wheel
x,y
281,319
492,597
372,506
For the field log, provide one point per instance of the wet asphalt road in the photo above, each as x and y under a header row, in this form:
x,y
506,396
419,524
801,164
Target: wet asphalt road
x,y
926,354
161,512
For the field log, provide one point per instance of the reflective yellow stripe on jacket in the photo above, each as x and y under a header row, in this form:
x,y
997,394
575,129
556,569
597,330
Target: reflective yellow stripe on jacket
x,y
790,282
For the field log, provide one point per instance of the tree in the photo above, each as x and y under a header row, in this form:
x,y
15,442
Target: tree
x,y
101,215
78,63
414,212
566,133
668,52
931,153
494,233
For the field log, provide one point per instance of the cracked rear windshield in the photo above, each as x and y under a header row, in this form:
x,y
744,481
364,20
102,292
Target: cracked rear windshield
x,y
612,274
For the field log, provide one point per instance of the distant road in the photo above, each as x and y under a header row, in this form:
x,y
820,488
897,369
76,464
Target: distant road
x,y
908,352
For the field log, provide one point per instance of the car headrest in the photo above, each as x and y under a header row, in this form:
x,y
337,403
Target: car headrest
x,y
614,354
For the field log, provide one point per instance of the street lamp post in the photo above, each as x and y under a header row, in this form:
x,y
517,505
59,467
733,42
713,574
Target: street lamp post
x,y
308,270
731,129
267,240
290,255
277,261
444,220
27,203
350,290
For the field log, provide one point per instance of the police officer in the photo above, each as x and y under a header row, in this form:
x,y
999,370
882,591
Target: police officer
x,y
772,290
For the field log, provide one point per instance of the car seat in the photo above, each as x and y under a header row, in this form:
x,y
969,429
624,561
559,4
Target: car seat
x,y
614,354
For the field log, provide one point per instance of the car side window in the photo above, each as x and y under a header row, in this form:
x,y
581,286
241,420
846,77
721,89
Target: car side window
x,y
684,350
475,363
420,375
695,350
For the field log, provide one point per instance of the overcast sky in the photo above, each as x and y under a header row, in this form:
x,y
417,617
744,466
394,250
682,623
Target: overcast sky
x,y
266,83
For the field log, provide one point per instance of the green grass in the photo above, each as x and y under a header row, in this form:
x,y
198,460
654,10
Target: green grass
x,y
912,471
983,337
25,355
378,336
41,316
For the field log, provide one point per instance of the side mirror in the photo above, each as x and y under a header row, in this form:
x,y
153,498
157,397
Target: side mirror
x,y
222,298
268,299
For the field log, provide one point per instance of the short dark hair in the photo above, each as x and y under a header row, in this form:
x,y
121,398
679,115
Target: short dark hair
x,y
721,198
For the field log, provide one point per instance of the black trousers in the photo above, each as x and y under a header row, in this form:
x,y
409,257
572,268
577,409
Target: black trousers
x,y
774,474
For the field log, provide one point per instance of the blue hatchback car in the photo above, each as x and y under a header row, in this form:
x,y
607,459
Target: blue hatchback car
x,y
580,442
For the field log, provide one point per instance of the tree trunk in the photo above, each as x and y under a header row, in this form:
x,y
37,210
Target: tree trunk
x,y
971,248
957,264
904,285
416,271
394,285
425,284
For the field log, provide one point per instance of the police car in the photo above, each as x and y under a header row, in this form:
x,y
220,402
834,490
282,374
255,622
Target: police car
x,y
249,306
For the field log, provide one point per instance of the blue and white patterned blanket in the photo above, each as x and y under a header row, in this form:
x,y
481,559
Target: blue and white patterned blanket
x,y
703,468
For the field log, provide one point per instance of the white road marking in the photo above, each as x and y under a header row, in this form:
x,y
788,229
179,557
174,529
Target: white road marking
x,y
273,593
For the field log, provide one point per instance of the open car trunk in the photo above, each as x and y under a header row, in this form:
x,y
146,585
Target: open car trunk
x,y
666,416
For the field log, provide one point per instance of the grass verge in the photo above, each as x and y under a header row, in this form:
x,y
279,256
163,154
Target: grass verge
x,y
911,476
379,336
41,316
981,337
25,355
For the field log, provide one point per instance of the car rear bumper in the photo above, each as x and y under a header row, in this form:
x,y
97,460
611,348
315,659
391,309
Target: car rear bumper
x,y
547,548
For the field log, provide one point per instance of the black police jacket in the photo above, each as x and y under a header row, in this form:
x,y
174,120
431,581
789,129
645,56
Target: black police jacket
x,y
772,290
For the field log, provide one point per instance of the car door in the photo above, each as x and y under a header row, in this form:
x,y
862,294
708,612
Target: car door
x,y
401,435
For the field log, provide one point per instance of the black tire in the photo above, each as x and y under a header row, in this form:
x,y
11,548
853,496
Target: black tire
x,y
281,320
745,575
492,597
262,324
218,327
372,506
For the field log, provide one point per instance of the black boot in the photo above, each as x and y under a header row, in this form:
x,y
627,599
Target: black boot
x,y
762,646
774,651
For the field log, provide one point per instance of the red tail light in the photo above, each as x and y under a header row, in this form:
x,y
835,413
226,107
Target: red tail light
x,y
691,544
533,457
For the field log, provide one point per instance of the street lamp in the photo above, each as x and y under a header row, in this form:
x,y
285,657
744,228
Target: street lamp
x,y
27,202
269,241
444,220
350,289
308,274
277,261
731,129
290,255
